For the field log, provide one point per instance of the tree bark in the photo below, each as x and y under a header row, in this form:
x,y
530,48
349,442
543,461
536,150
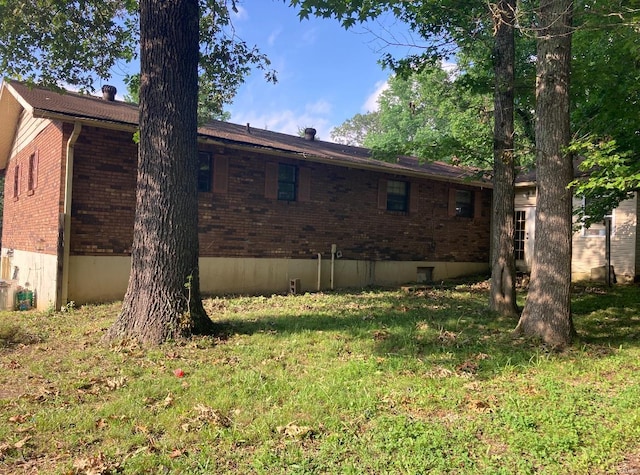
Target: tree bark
x,y
503,265
547,313
163,296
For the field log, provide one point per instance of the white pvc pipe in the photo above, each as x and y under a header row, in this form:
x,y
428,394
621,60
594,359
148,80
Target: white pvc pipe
x,y
333,263
319,271
68,188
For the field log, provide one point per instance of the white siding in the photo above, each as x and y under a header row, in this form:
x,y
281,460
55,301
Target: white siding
x,y
28,128
589,251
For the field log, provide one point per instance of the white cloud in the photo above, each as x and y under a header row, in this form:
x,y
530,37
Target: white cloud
x,y
450,68
288,121
371,103
271,40
310,36
241,14
321,107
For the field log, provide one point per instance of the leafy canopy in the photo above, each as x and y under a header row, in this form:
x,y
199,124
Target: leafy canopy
x,y
79,43
606,105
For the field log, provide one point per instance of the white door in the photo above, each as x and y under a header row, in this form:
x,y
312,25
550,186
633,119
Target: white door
x,y
524,237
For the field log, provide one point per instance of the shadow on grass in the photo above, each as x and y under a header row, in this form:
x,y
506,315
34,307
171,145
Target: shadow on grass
x,y
607,316
451,324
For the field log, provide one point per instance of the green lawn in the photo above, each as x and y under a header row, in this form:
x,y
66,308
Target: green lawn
x,y
371,381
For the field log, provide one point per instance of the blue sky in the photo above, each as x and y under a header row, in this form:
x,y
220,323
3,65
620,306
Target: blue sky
x,y
326,74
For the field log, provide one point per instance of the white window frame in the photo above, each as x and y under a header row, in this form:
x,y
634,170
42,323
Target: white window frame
x,y
598,230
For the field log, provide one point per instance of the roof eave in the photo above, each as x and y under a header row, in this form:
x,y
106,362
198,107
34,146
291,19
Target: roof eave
x,y
377,167
84,120
11,107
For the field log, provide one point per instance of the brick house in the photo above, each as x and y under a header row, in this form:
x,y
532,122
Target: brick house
x,y
275,210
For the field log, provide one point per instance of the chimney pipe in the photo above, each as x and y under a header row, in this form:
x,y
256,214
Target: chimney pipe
x,y
310,134
109,93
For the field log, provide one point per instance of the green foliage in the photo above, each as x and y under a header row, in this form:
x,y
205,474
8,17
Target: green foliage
x,y
354,131
433,115
608,176
225,60
428,115
51,41
443,24
606,77
207,109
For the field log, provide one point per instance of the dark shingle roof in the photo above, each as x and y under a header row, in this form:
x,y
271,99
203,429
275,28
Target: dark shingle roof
x,y
76,106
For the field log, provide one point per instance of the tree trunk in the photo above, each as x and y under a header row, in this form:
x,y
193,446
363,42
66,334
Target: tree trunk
x,y
547,313
163,297
503,265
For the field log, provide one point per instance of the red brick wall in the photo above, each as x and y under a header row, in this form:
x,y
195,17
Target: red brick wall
x,y
31,218
104,192
342,209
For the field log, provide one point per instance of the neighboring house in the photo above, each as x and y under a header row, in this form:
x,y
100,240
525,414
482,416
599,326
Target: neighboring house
x,y
588,260
275,211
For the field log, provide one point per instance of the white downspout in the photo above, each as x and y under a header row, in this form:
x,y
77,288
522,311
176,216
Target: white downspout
x,y
319,271
68,188
334,248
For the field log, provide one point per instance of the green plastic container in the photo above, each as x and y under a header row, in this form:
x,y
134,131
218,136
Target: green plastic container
x,y
24,300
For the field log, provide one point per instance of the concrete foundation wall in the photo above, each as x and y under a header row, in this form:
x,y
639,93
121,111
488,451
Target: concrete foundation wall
x,y
101,279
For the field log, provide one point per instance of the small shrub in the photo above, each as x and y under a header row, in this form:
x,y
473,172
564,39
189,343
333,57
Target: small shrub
x,y
12,334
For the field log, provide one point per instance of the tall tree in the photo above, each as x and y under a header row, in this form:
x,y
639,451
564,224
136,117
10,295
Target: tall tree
x,y
547,312
355,130
164,255
462,26
432,115
503,265
49,40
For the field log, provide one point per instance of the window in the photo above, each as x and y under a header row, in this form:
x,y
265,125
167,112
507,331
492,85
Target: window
x,y
596,229
287,182
397,195
519,237
204,172
16,181
32,181
464,203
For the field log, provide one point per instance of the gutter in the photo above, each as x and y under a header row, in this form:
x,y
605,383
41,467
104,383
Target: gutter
x,y
66,215
380,168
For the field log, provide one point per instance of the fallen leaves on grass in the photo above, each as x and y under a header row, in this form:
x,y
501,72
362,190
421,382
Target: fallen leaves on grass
x,y
99,385
447,337
13,364
95,465
439,372
19,418
467,367
22,442
294,431
205,415
381,335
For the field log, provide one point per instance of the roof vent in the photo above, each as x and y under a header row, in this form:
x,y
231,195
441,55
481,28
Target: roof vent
x,y
310,134
109,93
